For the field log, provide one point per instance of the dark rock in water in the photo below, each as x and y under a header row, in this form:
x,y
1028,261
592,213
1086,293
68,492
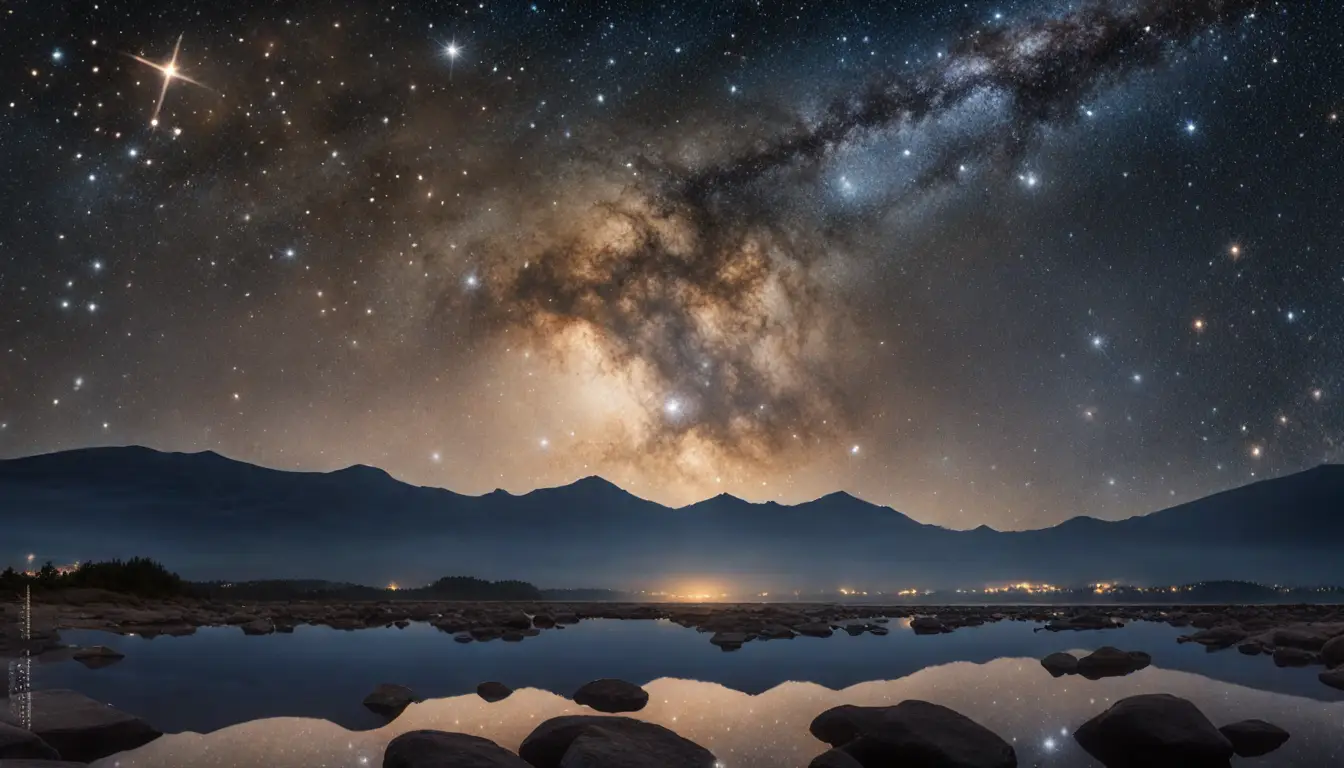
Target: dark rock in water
x,y
814,629
389,699
516,620
1112,662
1205,620
463,637
612,696
1304,638
81,729
915,733
729,641
485,634
834,758
97,656
591,741
1060,664
1082,622
1334,678
258,627
927,625
512,636
840,725
16,743
778,632
1155,730
1217,637
492,691
1293,657
542,621
401,623
1332,653
438,749
1250,649
1253,738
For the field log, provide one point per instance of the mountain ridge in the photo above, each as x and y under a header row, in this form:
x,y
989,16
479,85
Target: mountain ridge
x,y
216,517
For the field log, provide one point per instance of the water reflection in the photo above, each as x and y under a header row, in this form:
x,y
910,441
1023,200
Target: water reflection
x,y
1012,696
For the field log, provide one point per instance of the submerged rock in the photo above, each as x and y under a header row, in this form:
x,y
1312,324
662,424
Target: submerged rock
x,y
492,691
439,749
913,733
592,741
1155,730
389,699
97,656
1334,678
1332,653
612,696
17,743
1060,664
1112,662
81,729
1293,657
1253,738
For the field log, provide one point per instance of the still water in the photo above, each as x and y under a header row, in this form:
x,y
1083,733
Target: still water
x,y
295,700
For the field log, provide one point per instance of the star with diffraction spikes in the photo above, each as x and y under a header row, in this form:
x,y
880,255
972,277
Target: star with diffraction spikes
x,y
171,72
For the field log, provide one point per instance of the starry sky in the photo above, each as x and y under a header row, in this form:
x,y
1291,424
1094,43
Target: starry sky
x,y
988,263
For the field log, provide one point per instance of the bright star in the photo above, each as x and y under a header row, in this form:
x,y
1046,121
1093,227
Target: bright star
x,y
170,72
854,450
1190,127
673,407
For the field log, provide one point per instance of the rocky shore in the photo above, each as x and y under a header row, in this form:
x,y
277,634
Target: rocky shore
x,y
1293,635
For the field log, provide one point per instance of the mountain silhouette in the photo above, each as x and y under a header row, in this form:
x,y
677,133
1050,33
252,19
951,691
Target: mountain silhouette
x,y
210,517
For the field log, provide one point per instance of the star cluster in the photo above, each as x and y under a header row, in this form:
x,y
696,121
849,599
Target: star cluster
x,y
988,263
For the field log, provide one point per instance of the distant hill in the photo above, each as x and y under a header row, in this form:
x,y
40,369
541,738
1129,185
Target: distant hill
x,y
213,518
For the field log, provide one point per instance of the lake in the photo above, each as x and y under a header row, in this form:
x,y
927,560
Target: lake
x,y
295,699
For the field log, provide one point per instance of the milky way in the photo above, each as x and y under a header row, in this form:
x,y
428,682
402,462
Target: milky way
x,y
990,264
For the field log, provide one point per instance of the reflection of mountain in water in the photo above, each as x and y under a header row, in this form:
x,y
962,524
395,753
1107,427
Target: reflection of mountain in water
x,y
1010,696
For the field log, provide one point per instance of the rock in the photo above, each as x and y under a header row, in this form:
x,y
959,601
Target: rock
x,y
1293,657
438,749
485,634
840,725
1155,730
463,637
542,621
927,625
590,741
1334,678
729,641
1218,637
258,627
1060,664
1083,621
814,629
1332,653
1302,638
492,691
1205,620
16,743
97,656
389,699
834,758
401,623
81,729
609,695
512,636
516,620
1253,738
778,632
1250,649
914,733
1112,662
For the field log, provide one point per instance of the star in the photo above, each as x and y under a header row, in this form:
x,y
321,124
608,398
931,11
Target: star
x,y
170,72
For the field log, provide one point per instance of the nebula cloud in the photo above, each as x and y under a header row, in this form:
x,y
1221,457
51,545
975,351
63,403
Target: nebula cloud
x,y
703,288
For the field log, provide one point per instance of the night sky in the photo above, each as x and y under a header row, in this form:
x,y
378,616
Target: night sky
x,y
997,263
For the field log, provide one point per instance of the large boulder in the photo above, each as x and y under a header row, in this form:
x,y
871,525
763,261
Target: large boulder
x,y
612,696
1112,662
16,743
1155,730
82,729
1060,664
914,733
1334,678
258,627
439,749
1253,738
492,691
609,741
831,758
389,699
928,625
1332,653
